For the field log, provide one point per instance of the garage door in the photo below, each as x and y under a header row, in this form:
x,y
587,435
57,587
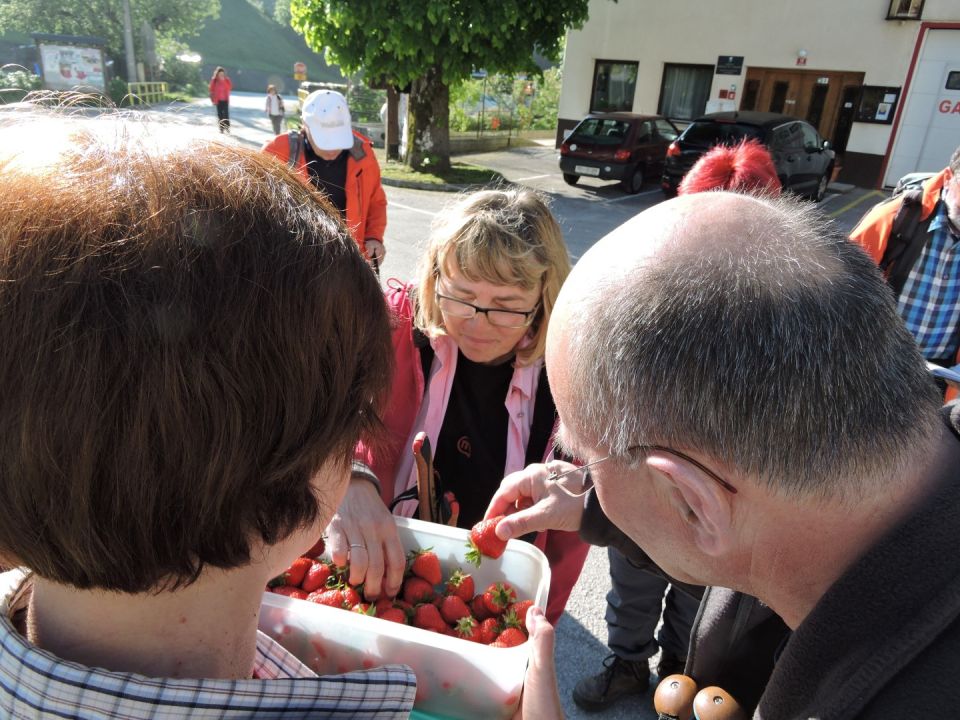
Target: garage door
x,y
930,125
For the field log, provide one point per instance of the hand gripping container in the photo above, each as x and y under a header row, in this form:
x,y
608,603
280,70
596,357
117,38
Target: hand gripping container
x,y
456,678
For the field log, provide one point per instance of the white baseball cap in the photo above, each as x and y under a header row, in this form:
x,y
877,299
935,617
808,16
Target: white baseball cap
x,y
327,117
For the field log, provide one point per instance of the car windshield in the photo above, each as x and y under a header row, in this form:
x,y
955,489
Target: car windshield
x,y
600,131
710,133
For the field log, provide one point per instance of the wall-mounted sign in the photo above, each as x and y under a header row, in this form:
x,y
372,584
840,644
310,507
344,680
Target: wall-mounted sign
x,y
878,104
730,65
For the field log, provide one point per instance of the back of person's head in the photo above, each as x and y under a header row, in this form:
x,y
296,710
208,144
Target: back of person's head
x,y
753,332
504,237
187,335
744,167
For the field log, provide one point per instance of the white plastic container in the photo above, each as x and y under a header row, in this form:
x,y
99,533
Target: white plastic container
x,y
455,678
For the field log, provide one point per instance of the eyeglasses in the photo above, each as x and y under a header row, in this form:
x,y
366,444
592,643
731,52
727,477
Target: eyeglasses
x,y
588,482
454,307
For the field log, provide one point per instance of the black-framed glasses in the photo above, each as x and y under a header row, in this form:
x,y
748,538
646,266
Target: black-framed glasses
x,y
454,307
587,482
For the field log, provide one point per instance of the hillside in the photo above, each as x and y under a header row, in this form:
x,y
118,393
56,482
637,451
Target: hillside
x,y
255,50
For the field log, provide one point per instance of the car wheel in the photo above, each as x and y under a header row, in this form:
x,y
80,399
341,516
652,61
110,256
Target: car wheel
x,y
822,185
633,183
570,178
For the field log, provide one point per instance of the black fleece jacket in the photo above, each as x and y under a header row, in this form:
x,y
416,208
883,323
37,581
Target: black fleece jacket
x,y
883,642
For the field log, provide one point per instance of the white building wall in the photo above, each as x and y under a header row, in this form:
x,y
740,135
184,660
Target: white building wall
x,y
839,35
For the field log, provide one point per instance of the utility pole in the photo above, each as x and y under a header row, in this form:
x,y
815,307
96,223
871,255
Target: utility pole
x,y
128,43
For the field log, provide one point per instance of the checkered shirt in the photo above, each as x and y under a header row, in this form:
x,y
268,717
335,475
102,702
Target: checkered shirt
x,y
36,684
930,300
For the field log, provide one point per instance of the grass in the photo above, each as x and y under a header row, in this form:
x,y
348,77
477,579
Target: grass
x,y
459,174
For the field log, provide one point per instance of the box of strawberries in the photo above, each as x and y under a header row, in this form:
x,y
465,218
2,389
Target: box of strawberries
x,y
469,653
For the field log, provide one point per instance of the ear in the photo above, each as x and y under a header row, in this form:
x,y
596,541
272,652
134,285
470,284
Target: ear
x,y
705,504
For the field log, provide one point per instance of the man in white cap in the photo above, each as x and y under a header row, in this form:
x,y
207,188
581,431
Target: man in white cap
x,y
340,162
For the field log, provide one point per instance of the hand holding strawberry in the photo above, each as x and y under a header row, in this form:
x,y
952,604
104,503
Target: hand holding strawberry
x,y
484,541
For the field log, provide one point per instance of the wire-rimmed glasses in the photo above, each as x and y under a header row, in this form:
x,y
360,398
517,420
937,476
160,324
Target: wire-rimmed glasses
x,y
587,482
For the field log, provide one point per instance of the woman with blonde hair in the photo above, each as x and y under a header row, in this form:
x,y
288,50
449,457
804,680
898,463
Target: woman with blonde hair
x,y
468,342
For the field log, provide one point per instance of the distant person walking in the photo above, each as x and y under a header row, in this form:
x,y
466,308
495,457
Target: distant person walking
x,y
274,108
220,87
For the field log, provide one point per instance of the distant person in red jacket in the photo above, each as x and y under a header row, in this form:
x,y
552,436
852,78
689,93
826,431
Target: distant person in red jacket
x,y
220,87
328,154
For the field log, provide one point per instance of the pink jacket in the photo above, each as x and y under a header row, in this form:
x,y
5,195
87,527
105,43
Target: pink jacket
x,y
409,410
220,89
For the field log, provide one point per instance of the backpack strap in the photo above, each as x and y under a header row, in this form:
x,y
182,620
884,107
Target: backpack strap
x,y
422,343
296,147
906,241
544,421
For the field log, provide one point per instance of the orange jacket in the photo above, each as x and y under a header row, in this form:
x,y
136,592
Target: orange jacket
x,y
873,230
366,215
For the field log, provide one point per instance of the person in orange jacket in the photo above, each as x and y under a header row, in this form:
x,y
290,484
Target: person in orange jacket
x,y
915,239
341,163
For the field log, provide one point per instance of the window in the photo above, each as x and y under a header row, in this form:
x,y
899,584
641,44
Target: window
x,y
685,90
600,132
811,139
709,133
953,80
666,130
788,137
614,84
905,10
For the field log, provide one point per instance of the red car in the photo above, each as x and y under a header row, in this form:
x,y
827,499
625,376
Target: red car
x,y
617,146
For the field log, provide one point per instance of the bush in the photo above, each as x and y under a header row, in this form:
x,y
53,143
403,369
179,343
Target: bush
x,y
15,84
117,90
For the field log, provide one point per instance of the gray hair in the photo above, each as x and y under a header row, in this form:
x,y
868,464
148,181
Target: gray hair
x,y
955,162
779,353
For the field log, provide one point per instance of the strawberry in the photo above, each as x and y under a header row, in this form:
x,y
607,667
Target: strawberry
x,y
417,590
351,596
393,614
453,609
363,608
293,575
427,616
316,576
510,637
488,631
518,612
467,628
332,597
498,596
479,608
484,541
383,603
316,550
425,564
290,591
461,585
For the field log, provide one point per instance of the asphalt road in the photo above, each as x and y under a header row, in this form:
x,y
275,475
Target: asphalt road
x,y
586,213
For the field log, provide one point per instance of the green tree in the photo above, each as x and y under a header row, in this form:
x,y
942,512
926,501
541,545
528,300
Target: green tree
x,y
170,19
433,44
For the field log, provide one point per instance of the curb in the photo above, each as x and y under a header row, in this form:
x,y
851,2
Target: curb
x,y
440,187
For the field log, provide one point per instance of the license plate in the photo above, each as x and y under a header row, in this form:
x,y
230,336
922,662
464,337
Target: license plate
x,y
585,170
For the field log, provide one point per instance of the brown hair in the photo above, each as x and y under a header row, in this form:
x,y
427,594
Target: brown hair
x,y
187,335
505,237
218,69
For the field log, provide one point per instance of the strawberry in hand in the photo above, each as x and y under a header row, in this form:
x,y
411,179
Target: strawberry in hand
x,y
484,541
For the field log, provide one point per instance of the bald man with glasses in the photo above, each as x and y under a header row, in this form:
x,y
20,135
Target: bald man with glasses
x,y
757,418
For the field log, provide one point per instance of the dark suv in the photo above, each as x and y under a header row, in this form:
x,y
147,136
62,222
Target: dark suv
x,y
617,146
803,159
